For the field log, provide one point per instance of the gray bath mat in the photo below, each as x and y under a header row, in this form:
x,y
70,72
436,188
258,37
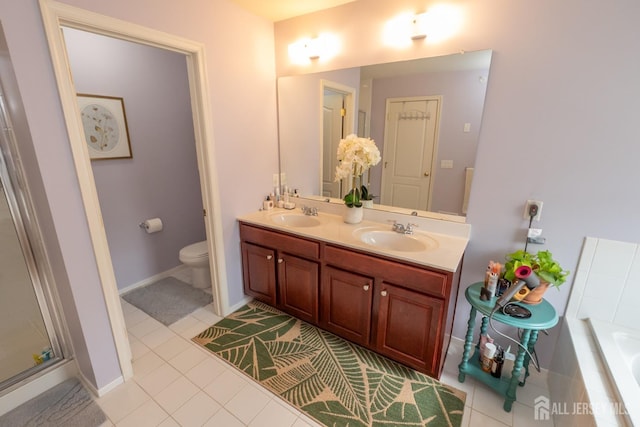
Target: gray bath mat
x,y
68,404
168,300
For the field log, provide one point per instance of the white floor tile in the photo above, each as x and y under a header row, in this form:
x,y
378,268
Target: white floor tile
x,y
149,414
157,380
187,359
274,415
176,394
145,327
157,337
169,422
196,411
172,347
489,402
223,418
146,364
247,403
138,349
205,372
226,385
524,416
183,324
206,315
134,316
122,400
478,419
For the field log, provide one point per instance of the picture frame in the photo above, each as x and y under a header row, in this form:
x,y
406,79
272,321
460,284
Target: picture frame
x,y
105,126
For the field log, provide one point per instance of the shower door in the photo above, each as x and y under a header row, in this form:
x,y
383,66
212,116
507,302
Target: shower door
x,y
28,340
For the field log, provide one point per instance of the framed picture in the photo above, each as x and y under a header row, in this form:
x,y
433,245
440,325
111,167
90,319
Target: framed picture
x,y
105,126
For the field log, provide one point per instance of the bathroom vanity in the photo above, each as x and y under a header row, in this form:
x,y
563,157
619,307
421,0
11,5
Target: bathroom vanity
x,y
395,295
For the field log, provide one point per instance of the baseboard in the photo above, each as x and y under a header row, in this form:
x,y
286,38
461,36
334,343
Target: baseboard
x,y
99,392
152,279
32,387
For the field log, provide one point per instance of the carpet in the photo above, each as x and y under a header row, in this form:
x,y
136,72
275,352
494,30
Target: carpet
x,y
168,300
330,379
68,404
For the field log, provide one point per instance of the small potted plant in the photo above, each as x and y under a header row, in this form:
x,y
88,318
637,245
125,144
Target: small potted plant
x,y
356,155
542,264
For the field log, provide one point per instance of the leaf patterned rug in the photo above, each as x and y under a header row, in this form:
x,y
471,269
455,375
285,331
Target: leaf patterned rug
x,y
332,380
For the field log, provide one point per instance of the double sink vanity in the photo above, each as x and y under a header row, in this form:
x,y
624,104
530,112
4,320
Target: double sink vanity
x,y
389,283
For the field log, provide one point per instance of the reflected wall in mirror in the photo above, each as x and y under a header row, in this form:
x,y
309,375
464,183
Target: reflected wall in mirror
x,y
424,116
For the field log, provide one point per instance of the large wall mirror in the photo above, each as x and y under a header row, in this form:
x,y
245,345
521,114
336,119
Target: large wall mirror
x,y
424,115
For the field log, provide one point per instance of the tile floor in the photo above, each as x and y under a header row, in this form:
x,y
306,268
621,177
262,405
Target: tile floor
x,y
177,383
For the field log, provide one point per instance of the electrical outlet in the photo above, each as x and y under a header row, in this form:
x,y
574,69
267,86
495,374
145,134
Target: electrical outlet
x,y
276,183
533,204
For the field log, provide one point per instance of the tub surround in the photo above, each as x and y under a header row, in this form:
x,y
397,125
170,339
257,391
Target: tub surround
x,y
605,292
451,237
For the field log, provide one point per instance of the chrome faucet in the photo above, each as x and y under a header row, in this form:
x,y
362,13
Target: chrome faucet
x,y
402,229
309,211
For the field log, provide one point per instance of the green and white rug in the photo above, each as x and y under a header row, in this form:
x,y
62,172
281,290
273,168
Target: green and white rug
x,y
332,380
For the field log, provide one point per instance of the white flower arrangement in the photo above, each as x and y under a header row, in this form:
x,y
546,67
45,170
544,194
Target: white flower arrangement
x,y
356,155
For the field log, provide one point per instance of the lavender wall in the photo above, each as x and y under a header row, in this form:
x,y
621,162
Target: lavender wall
x,y
562,98
463,94
161,180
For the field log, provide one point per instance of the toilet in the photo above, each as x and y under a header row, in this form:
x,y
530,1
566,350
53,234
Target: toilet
x,y
196,256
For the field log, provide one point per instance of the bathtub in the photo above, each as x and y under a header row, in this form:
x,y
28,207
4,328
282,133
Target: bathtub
x,y
620,352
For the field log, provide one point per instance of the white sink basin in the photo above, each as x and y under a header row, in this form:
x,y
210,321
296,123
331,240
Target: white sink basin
x,y
390,240
295,220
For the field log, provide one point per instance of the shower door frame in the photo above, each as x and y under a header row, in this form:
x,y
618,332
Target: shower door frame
x,y
33,251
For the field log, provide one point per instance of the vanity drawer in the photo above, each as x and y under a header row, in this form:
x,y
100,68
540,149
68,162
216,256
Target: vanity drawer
x,y
282,242
415,278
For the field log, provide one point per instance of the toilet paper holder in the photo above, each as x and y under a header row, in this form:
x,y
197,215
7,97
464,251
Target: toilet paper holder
x,y
152,225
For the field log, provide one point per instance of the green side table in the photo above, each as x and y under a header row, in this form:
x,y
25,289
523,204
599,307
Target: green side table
x,y
543,316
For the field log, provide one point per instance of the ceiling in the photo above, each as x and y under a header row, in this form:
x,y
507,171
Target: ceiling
x,y
278,10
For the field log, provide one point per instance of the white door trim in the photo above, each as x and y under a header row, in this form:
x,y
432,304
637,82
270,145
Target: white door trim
x,y
56,14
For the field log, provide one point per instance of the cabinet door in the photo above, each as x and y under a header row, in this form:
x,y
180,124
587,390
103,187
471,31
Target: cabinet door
x,y
298,287
259,272
346,304
408,327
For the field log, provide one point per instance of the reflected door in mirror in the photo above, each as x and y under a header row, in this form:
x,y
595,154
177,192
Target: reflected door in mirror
x,y
409,146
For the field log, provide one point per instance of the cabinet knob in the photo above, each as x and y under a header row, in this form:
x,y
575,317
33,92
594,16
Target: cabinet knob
x,y
280,260
383,293
365,287
269,256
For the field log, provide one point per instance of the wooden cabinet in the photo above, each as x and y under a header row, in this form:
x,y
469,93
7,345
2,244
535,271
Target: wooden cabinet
x,y
400,310
259,268
409,327
281,271
298,287
346,304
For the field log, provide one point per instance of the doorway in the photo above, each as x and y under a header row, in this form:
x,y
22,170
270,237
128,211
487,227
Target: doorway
x,y
410,151
338,115
57,15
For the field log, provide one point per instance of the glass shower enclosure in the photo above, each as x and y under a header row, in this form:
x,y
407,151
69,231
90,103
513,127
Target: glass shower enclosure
x,y
29,324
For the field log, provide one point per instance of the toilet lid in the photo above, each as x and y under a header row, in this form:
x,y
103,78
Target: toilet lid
x,y
195,250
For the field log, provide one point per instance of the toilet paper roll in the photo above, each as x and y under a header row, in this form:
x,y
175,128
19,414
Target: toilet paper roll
x,y
153,225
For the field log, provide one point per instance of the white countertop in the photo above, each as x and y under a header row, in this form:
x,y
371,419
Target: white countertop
x,y
332,229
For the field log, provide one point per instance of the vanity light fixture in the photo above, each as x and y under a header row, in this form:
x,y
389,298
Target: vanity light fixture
x,y
440,22
309,49
419,26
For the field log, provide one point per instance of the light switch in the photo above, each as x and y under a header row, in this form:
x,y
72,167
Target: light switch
x,y
467,127
446,164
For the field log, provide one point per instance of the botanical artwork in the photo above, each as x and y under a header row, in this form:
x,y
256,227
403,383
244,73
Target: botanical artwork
x,y
105,126
332,380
